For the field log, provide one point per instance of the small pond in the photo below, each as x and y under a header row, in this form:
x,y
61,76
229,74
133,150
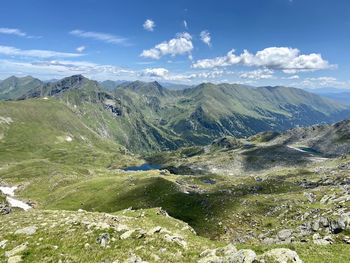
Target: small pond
x,y
143,167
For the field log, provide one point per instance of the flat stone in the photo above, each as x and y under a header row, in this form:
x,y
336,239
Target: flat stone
x,y
14,259
16,250
30,230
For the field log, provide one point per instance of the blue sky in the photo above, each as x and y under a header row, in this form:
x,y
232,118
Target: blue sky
x,y
302,43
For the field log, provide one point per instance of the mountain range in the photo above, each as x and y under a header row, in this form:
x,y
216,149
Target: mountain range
x,y
216,195
145,116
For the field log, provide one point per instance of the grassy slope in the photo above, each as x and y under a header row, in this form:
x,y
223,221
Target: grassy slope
x,y
203,113
57,174
14,88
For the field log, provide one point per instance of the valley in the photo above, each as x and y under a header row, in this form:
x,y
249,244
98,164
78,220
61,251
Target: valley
x,y
143,173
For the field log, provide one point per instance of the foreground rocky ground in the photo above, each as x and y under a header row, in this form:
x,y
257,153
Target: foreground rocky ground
x,y
128,236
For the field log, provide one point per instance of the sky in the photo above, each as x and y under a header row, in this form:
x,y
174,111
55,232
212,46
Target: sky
x,y
299,43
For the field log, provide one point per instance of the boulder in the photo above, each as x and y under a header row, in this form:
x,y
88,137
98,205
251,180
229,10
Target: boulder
x,y
241,256
127,234
14,259
279,255
176,239
284,234
19,249
154,230
30,230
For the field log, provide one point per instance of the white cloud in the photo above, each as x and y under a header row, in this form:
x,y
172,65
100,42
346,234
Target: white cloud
x,y
12,51
105,37
257,74
61,68
156,72
181,44
320,82
149,25
80,49
294,77
185,24
164,74
205,37
12,31
289,60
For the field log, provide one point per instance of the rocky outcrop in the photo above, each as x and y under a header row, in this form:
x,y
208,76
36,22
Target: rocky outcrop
x,y
230,254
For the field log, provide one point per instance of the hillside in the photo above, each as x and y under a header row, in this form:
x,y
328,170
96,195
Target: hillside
x,y
14,88
226,191
201,114
146,117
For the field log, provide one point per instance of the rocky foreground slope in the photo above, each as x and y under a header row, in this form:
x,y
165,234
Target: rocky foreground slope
x,y
128,236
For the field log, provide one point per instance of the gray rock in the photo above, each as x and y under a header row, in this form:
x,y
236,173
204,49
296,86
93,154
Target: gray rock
x,y
176,239
14,259
279,255
154,230
30,230
127,234
315,225
318,240
311,197
228,250
269,241
346,239
19,249
242,256
324,221
3,244
103,240
5,208
284,234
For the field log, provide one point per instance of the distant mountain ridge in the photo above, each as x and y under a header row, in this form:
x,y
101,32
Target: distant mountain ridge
x,y
336,94
145,116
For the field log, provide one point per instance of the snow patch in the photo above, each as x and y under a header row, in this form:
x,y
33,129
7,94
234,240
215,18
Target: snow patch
x,y
17,203
69,139
8,190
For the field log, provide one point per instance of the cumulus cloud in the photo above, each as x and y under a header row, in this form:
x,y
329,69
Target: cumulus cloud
x,y
156,72
12,51
257,74
289,60
181,44
80,49
149,25
105,37
205,37
12,31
